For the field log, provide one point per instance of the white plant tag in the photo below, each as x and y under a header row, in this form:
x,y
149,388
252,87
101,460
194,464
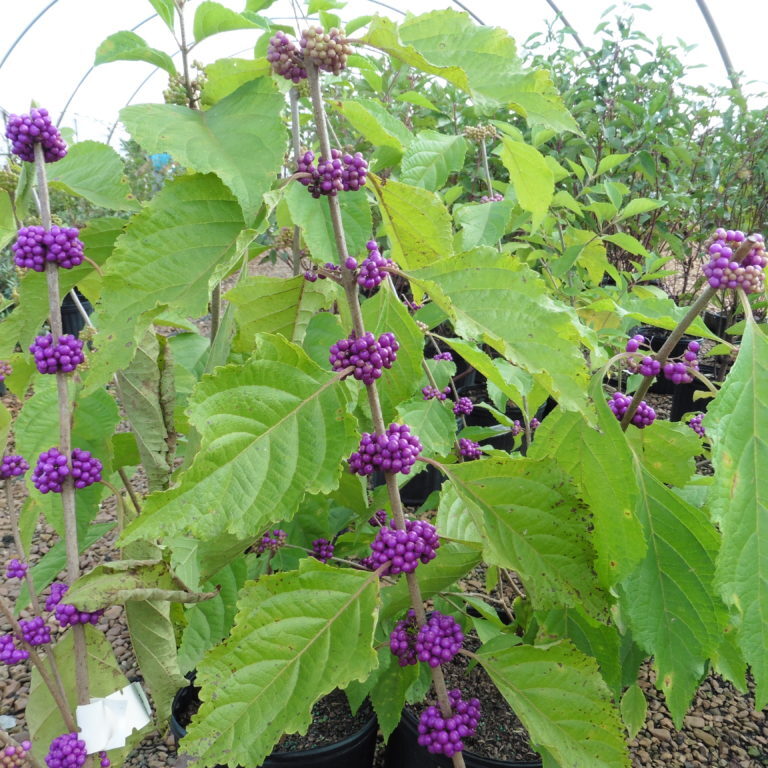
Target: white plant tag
x,y
106,723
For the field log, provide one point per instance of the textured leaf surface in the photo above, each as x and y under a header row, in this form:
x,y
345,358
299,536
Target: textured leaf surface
x,y
669,601
667,451
376,123
600,461
169,255
561,699
501,298
226,75
531,177
128,46
241,138
417,223
738,423
482,223
272,429
94,171
533,525
212,18
430,158
277,305
389,686
297,636
433,421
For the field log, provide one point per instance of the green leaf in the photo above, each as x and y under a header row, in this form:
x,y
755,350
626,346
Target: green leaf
x,y
385,313
314,218
531,522
165,10
600,461
530,176
737,421
261,448
208,623
224,76
482,223
212,18
668,601
627,243
503,297
561,699
609,162
661,312
413,97
389,685
8,228
639,205
104,677
417,223
667,451
634,708
430,158
241,138
323,330
189,229
278,305
94,171
376,123
286,651
128,46
433,421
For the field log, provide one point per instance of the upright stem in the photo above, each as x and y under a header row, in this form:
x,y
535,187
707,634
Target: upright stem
x,y
486,168
377,416
65,435
296,247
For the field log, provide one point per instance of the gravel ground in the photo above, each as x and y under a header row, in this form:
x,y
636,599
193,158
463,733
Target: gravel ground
x,y
721,729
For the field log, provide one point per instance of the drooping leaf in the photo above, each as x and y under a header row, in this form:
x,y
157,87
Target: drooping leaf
x,y
640,205
241,138
272,430
287,650
532,523
224,76
376,123
667,451
277,305
738,423
430,158
8,227
668,600
482,223
212,18
627,243
170,254
388,688
94,171
531,177
165,10
559,696
128,46
634,708
417,223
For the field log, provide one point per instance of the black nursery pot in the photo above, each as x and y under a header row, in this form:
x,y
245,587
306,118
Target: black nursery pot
x,y
71,320
354,751
404,751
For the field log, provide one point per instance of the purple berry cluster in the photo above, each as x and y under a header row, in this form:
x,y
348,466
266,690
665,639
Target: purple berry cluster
x,y
403,550
272,541
58,588
342,173
443,736
66,751
644,415
649,366
24,131
13,466
35,631
463,405
322,550
646,366
368,356
15,757
469,449
372,270
402,639
285,58
439,640
394,451
35,247
6,369
9,653
695,424
16,569
635,342
62,356
328,51
443,356
495,198
379,518
679,371
430,393
723,271
67,615
52,468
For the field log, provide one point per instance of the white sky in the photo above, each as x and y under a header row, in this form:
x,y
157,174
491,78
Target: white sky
x,y
54,55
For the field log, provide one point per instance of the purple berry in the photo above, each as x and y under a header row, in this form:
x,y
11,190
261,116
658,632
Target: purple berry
x,y
443,736
322,550
9,653
310,276
368,356
58,589
469,449
379,518
677,373
66,751
495,198
86,469
16,569
649,366
52,468
328,51
350,262
24,131
535,423
6,369
285,58
13,466
463,405
62,356
35,631
430,393
402,640
67,615
634,343
722,271
695,424
272,541
403,550
394,451
644,415
15,757
35,247
443,356
372,270
439,640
